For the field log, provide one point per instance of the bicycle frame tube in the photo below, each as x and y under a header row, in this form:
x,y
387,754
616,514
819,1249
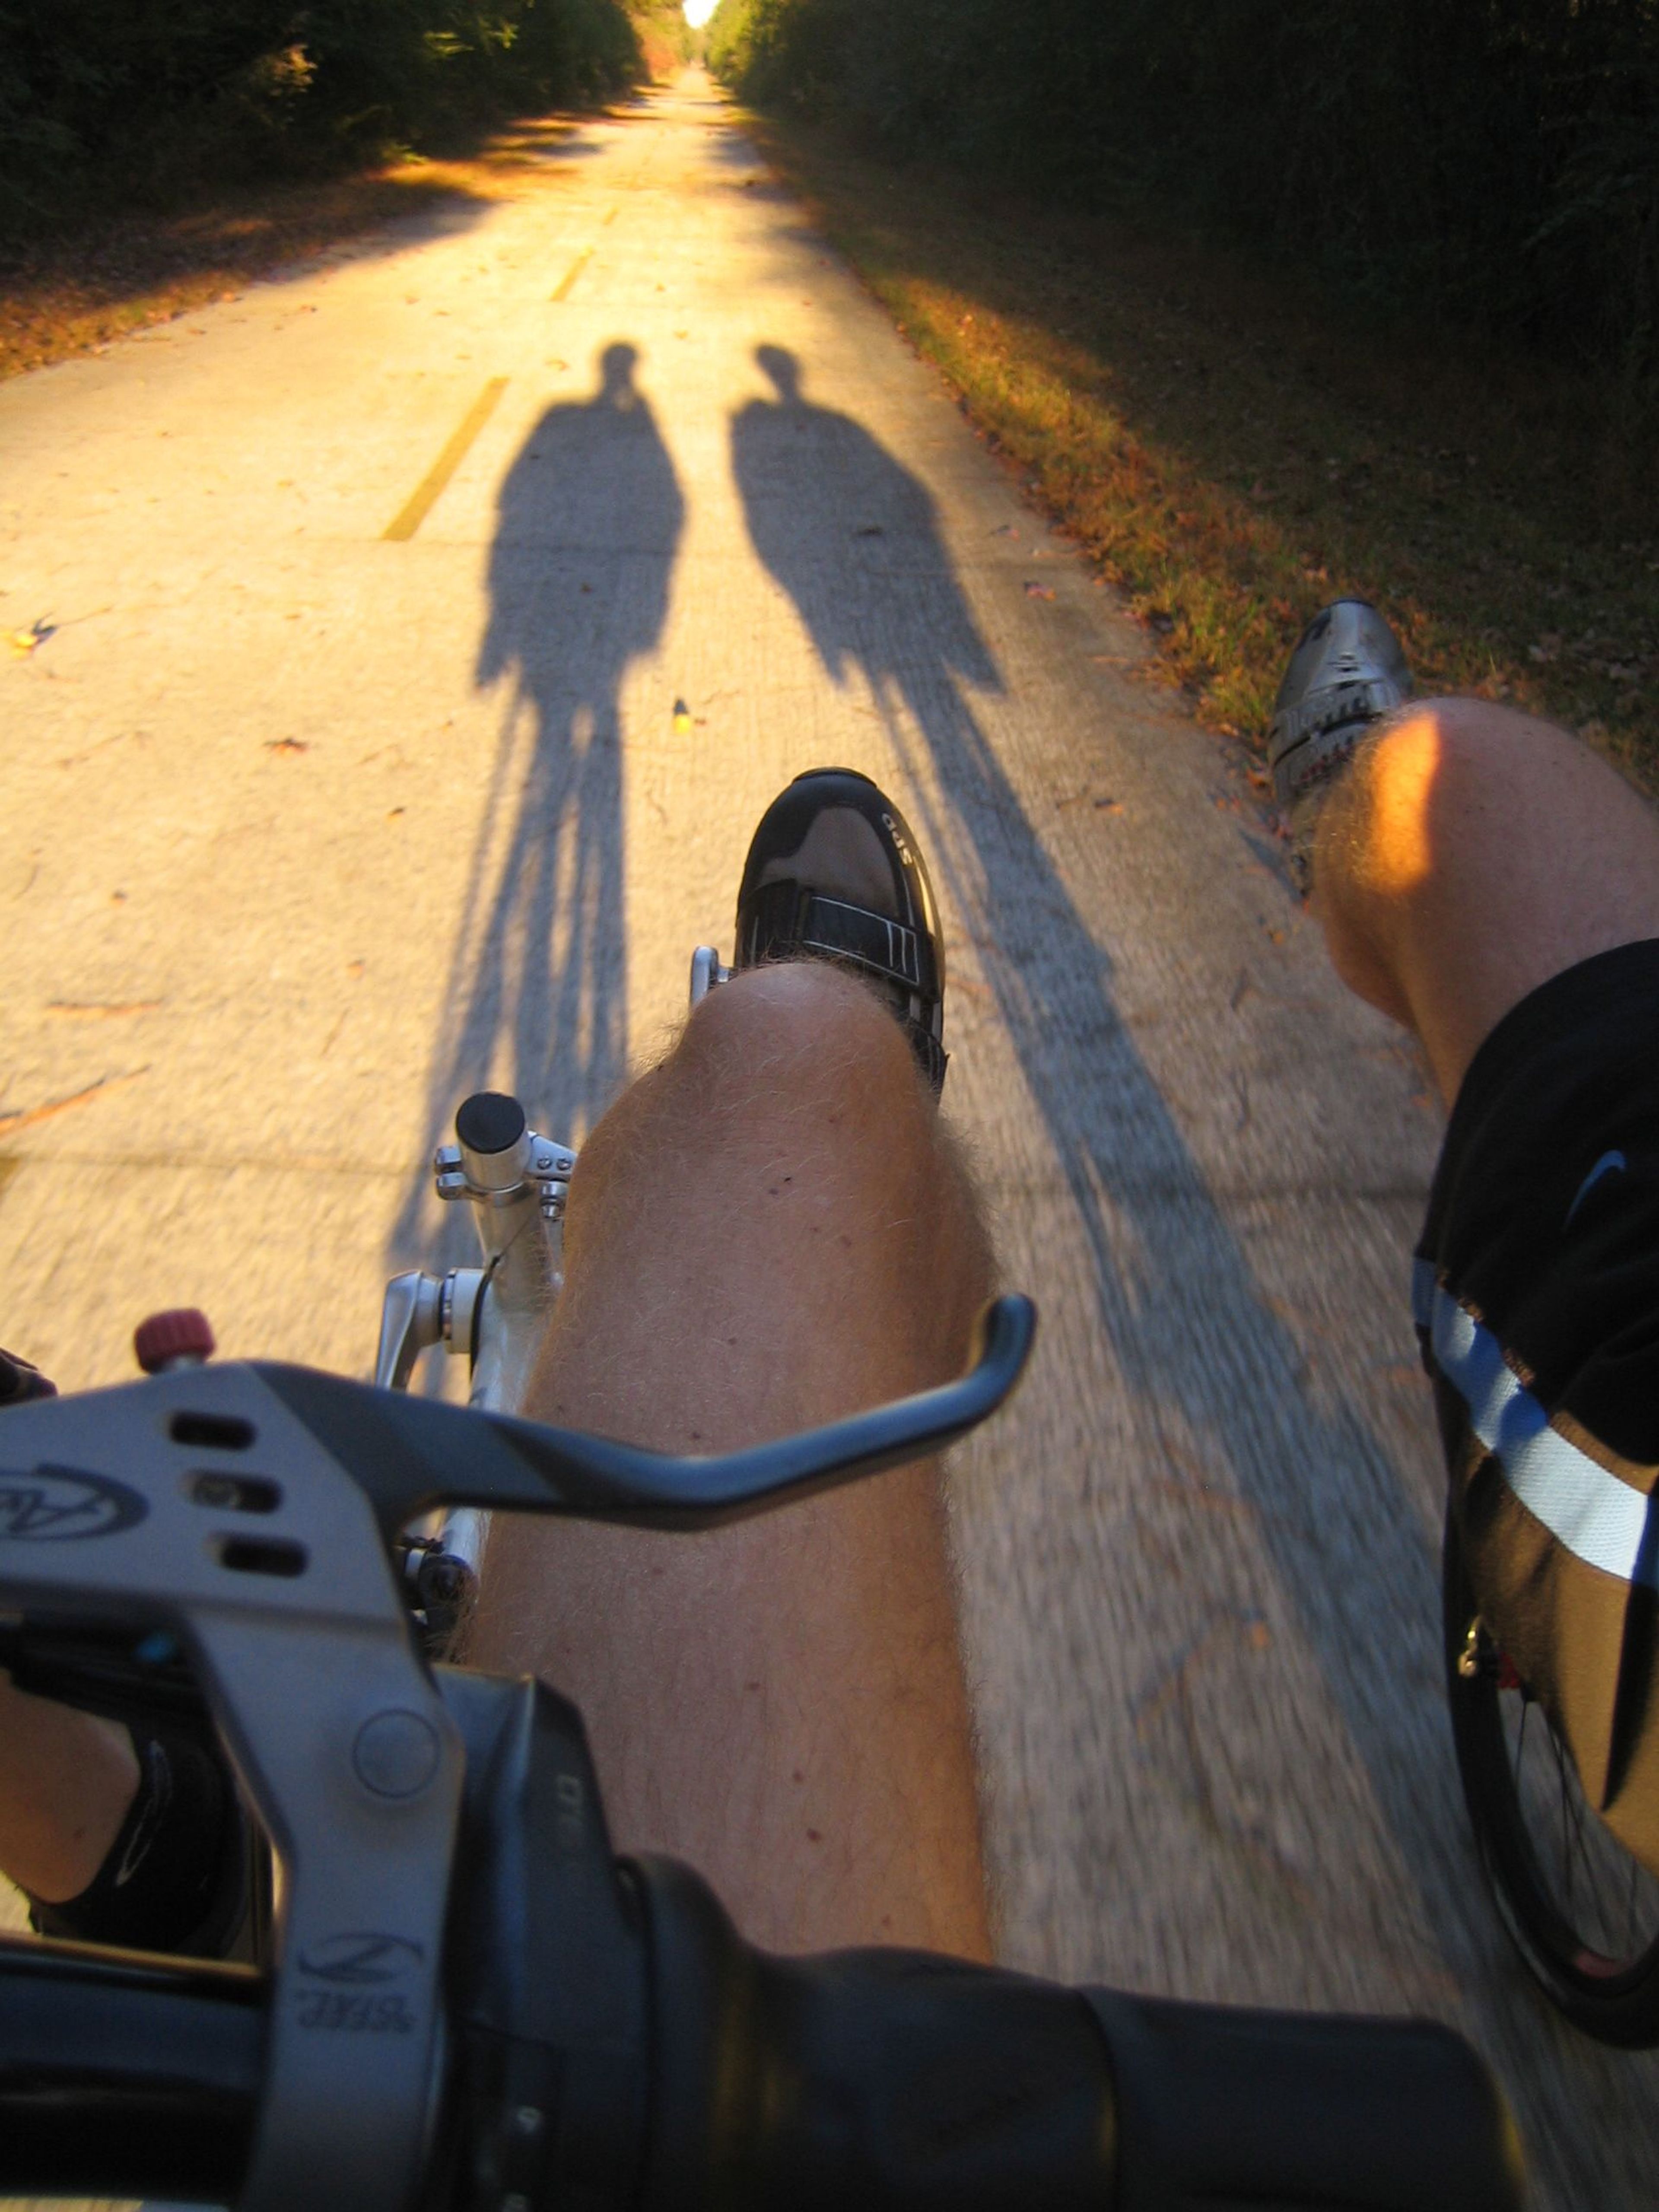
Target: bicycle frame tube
x,y
497,1313
521,1281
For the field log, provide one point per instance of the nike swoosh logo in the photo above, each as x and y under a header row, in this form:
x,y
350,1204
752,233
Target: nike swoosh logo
x,y
1606,1165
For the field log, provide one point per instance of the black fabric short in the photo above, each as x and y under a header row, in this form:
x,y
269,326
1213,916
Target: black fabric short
x,y
1536,1293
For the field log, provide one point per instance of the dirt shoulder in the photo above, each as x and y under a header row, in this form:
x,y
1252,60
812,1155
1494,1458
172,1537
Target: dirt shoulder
x,y
1236,449
82,289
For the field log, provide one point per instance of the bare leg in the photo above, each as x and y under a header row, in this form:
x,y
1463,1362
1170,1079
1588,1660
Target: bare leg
x,y
1467,855
67,1779
767,1232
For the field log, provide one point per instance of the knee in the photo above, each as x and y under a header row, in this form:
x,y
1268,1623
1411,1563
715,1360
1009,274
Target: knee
x,y
796,1032
1434,773
791,1122
800,1054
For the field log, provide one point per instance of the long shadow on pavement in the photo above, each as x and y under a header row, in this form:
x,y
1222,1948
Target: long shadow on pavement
x,y
854,538
588,523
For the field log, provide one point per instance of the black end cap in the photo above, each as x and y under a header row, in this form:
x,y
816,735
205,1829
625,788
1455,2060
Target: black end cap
x,y
490,1121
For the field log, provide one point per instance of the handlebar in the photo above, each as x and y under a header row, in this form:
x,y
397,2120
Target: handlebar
x,y
473,2006
881,2077
123,2077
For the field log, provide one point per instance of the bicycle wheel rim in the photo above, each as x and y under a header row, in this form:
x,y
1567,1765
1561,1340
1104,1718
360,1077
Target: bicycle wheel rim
x,y
1582,1913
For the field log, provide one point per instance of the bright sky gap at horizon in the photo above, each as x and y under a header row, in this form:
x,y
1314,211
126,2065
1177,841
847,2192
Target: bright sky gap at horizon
x,y
697,12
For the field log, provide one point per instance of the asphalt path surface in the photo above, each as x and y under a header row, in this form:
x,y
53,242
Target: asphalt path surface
x,y
428,628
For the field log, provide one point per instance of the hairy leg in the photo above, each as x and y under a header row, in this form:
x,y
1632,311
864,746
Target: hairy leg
x,y
67,1780
1468,853
767,1232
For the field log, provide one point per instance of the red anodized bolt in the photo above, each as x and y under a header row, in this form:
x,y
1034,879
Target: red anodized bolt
x,y
182,1337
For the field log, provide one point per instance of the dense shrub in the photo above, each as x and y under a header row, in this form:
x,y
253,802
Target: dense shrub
x,y
1496,159
147,95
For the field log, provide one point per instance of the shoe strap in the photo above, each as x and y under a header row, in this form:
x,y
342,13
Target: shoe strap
x,y
1336,707
788,919
931,1056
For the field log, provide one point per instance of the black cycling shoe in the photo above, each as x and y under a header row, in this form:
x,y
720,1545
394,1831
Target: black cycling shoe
x,y
1347,670
833,873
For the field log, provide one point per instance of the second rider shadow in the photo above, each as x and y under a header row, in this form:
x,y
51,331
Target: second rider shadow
x,y
854,539
589,521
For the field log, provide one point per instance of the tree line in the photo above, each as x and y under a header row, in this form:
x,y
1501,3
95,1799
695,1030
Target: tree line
x,y
150,97
1494,160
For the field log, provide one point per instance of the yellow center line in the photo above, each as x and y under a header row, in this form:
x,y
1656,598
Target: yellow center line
x,y
561,289
409,518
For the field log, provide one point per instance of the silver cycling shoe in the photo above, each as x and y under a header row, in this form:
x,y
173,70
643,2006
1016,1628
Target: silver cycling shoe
x,y
1348,669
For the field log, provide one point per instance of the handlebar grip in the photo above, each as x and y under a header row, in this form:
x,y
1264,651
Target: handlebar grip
x,y
882,2078
923,2084
1219,2107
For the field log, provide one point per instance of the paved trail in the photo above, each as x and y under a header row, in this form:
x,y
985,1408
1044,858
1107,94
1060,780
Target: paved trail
x,y
353,777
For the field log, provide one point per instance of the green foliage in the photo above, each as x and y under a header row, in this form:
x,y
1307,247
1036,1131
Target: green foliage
x,y
668,40
149,96
1497,160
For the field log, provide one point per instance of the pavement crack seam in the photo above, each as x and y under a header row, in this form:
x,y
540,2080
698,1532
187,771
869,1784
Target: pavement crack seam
x,y
27,1119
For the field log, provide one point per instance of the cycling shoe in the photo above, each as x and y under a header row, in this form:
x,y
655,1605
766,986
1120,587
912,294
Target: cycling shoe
x,y
834,873
1346,670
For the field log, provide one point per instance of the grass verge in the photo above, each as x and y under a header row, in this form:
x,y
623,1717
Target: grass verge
x,y
1235,450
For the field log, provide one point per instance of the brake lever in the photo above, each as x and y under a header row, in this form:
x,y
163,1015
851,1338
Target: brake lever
x,y
249,1510
409,1454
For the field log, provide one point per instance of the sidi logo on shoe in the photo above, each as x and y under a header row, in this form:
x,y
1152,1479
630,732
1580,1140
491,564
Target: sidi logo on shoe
x,y
897,836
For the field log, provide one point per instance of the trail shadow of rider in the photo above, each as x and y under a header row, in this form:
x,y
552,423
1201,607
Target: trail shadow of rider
x,y
589,521
854,540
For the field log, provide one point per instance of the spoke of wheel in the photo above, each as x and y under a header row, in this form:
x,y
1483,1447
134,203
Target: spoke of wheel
x,y
1571,1831
1522,1794
1633,1934
1614,1916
